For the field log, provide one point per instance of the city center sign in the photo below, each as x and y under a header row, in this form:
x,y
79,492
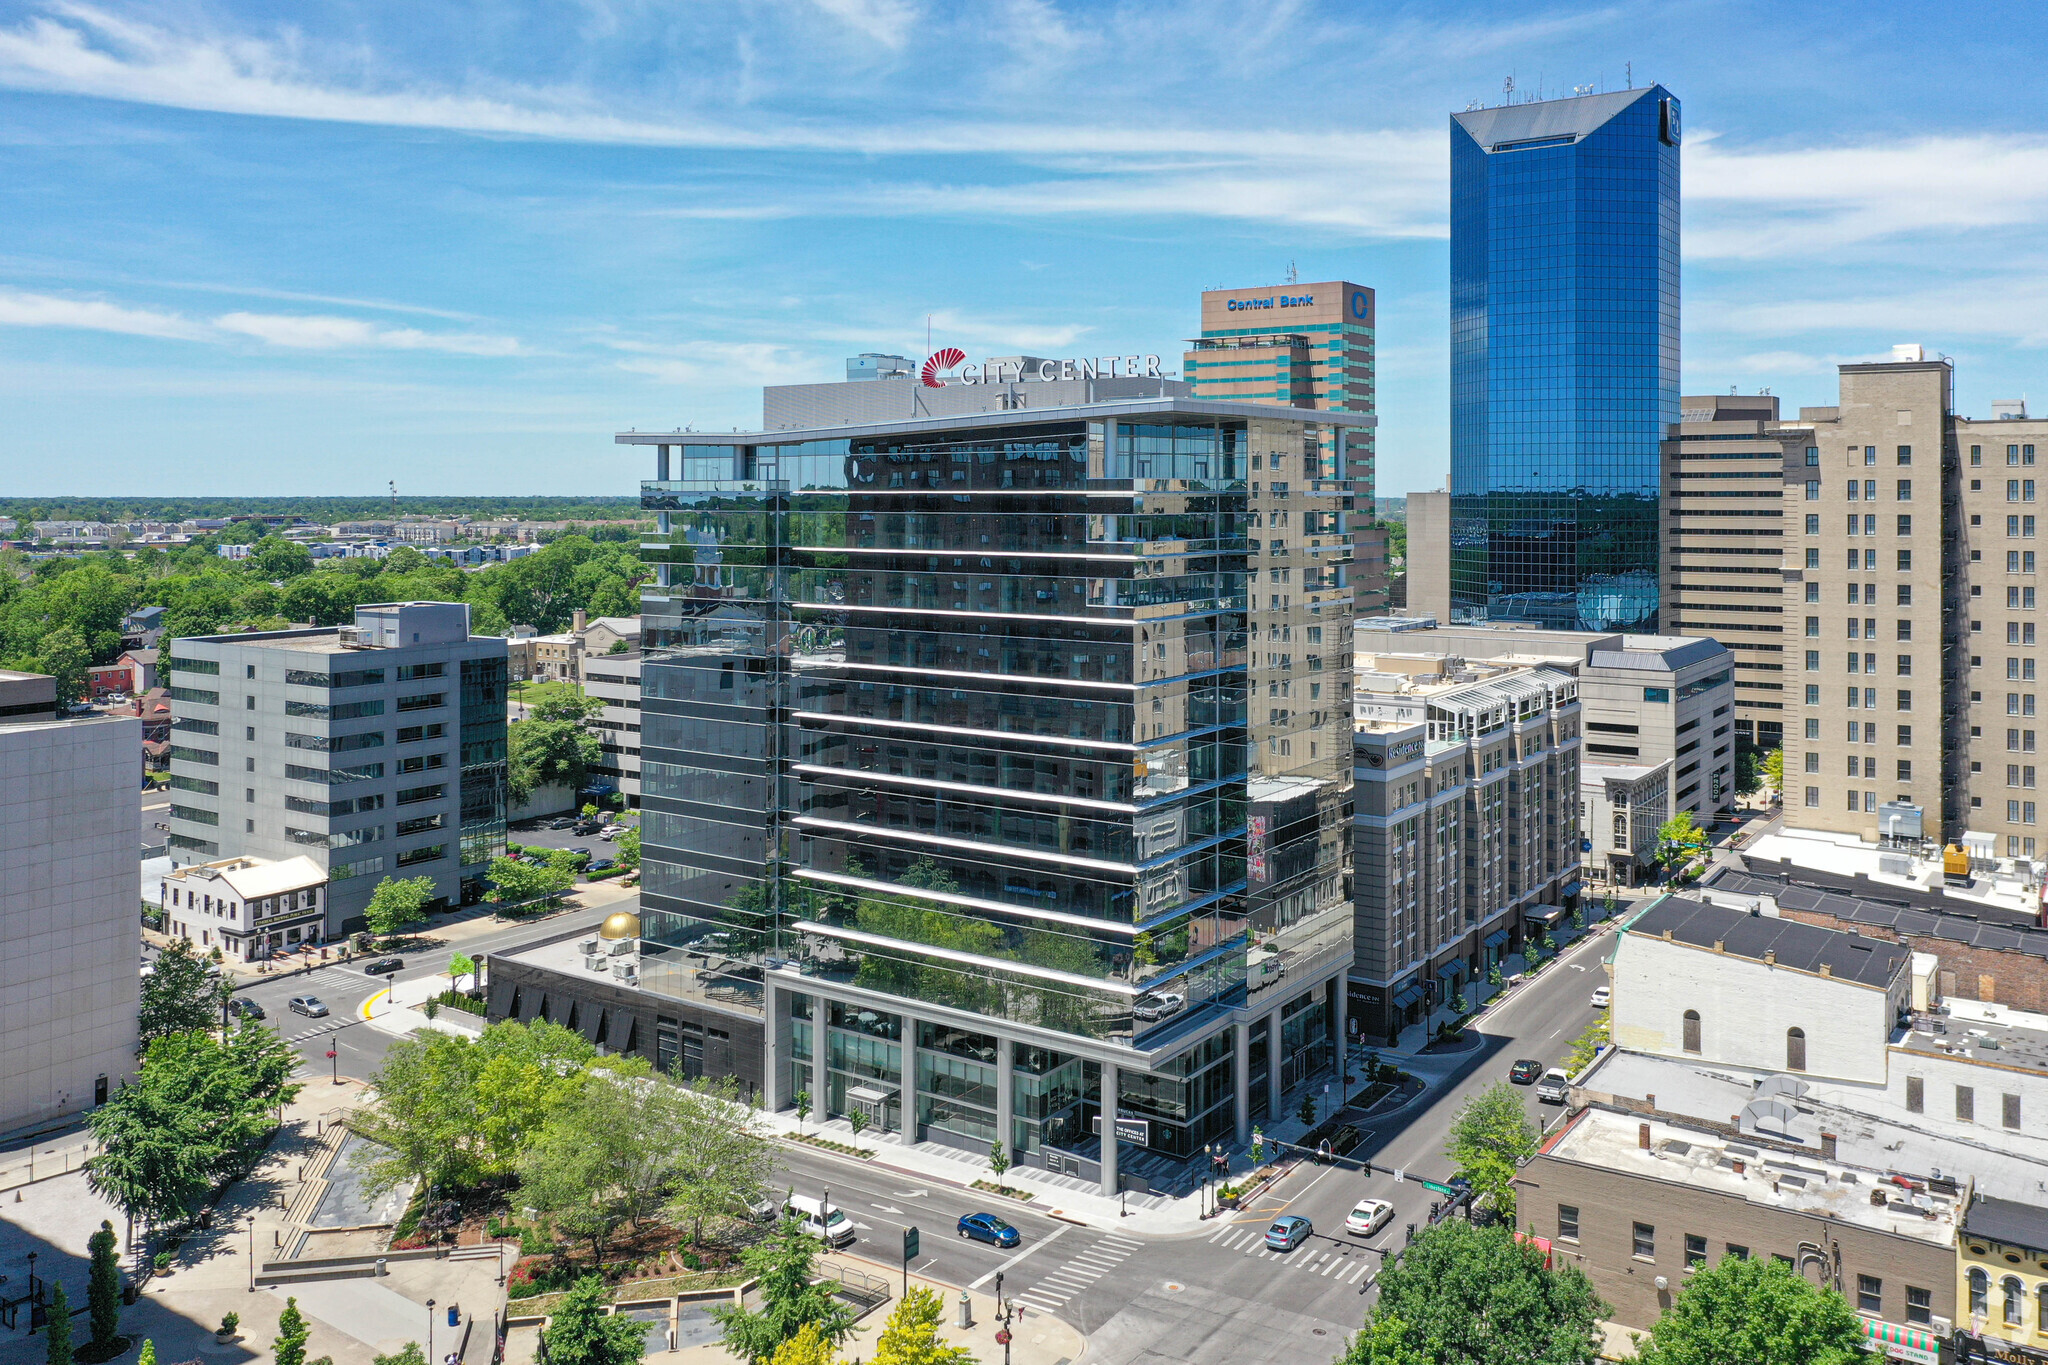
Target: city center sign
x,y
932,375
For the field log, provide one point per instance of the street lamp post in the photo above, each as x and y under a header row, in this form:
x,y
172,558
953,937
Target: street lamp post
x,y
430,1332
252,1253
334,1064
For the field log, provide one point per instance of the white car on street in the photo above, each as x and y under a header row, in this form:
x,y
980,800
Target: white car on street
x,y
1369,1217
1603,996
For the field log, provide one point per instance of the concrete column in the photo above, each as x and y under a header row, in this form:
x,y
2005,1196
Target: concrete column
x,y
821,1015
1241,1102
775,1031
1274,1113
1110,1074
1006,1099
906,1098
1340,1017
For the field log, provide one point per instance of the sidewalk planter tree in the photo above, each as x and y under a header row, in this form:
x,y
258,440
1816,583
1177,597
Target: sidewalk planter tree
x,y
782,1265
911,1336
57,1350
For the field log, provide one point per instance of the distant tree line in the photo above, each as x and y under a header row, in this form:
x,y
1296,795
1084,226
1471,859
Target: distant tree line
x,y
63,615
325,511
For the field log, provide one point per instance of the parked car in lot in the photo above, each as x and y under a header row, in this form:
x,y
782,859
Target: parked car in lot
x,y
986,1227
1288,1233
308,1005
241,1007
1525,1071
581,852
1369,1217
602,865
383,966
1554,1088
583,829
562,822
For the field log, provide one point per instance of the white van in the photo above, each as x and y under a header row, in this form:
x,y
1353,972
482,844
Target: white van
x,y
832,1225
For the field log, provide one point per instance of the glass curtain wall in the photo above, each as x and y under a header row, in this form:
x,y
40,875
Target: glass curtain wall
x,y
1564,356
961,717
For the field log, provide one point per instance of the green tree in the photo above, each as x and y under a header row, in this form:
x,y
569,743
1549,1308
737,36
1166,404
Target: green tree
x,y
561,701
398,903
408,1354
58,1347
1758,1312
148,1355
103,1287
292,1332
514,881
580,1332
1680,838
1384,1341
1467,1295
65,657
998,1160
542,753
807,1347
723,1157
461,965
276,557
628,846
1774,769
911,1336
178,996
782,1264
1489,1138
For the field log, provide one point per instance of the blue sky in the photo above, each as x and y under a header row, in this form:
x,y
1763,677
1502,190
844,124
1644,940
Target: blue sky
x,y
278,249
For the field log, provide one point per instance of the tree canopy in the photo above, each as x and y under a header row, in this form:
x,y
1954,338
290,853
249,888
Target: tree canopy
x,y
580,1332
1467,1295
1489,1138
1759,1312
179,994
790,1301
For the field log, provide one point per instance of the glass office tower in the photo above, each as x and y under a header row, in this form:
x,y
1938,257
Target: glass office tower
x,y
1564,356
1002,764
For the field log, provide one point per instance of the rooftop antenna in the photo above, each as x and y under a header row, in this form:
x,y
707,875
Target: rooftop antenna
x,y
1507,91
1630,67
392,484
1291,278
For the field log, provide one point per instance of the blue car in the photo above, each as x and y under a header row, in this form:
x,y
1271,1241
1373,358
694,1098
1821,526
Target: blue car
x,y
1288,1233
986,1227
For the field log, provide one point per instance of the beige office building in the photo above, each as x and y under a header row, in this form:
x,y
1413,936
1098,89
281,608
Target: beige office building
x,y
1304,346
1726,465
1882,742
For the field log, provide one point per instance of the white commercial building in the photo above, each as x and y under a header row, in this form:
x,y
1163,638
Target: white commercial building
x,y
70,899
250,908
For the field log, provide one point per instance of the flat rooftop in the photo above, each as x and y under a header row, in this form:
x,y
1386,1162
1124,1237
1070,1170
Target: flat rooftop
x,y
1804,947
1934,916
700,972
1872,1130
1109,410
1793,1183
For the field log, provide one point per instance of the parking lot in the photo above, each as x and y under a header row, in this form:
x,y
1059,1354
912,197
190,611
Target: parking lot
x,y
530,835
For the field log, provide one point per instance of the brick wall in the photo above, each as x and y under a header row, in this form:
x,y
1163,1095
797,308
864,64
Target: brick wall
x,y
1611,1203
2003,976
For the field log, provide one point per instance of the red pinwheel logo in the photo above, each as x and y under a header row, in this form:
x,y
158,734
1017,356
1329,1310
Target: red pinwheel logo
x,y
938,361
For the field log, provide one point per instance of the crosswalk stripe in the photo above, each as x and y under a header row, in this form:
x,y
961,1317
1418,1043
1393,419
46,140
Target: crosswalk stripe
x,y
1067,1281
1332,1266
1221,1233
1122,1242
1081,1272
1106,1262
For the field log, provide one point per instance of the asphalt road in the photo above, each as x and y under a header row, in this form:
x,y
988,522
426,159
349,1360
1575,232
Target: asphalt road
x,y
343,988
1217,1297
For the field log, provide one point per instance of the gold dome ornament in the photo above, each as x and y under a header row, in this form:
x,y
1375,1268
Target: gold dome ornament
x,y
621,925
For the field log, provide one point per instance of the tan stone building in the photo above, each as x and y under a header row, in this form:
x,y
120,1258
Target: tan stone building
x,y
1881,741
1304,346
1726,466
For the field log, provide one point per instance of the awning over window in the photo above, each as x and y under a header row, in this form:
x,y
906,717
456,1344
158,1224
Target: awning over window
x,y
1573,888
1902,1343
1407,995
1545,914
1451,969
1496,938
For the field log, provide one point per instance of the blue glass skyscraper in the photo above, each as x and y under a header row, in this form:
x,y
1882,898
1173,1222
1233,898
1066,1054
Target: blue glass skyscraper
x,y
1564,356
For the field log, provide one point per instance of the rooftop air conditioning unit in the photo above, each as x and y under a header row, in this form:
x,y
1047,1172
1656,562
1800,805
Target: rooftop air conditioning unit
x,y
589,945
594,962
622,946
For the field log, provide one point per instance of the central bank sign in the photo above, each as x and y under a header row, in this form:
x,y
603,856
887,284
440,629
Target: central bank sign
x,y
933,372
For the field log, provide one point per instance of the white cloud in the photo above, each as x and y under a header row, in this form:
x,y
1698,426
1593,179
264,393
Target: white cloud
x,y
290,332
312,332
1810,201
44,310
887,22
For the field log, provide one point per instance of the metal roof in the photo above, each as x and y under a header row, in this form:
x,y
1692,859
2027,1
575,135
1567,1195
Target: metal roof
x,y
1515,123
1804,947
1112,410
2004,1220
1921,920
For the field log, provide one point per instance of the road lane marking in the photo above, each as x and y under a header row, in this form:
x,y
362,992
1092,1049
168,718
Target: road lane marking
x,y
1041,1243
1115,1240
